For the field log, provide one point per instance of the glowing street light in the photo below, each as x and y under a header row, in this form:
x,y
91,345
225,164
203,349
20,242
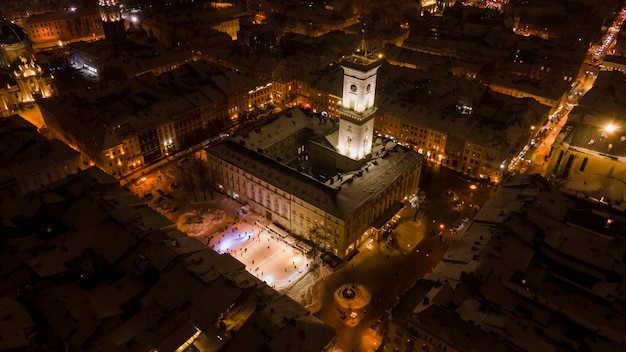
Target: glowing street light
x,y
610,128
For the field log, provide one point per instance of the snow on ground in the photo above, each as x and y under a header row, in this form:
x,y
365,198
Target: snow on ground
x,y
212,221
264,254
305,291
201,222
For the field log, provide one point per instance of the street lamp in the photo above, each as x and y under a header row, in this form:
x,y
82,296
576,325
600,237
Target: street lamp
x,y
610,128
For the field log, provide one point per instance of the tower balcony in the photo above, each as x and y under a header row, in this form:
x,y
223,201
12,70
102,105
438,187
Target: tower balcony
x,y
356,116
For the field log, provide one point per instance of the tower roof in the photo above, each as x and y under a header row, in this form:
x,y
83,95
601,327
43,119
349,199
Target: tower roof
x,y
360,62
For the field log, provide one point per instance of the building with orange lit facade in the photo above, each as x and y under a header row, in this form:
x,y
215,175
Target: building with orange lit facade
x,y
52,29
588,157
122,126
22,79
455,123
460,125
332,182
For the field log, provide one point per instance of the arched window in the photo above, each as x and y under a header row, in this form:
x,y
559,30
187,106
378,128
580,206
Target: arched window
x,y
583,165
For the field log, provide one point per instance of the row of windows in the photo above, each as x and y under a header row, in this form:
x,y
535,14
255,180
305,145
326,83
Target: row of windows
x,y
268,201
90,20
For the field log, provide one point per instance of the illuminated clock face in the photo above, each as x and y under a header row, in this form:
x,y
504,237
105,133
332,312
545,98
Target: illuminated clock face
x,y
368,88
353,88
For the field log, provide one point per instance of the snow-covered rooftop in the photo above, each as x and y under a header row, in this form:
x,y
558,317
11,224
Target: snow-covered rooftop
x,y
522,254
152,286
339,198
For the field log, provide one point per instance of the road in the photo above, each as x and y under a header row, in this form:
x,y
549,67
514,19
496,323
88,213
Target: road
x,y
533,160
387,272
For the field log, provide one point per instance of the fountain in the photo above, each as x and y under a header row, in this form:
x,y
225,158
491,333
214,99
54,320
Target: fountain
x,y
352,300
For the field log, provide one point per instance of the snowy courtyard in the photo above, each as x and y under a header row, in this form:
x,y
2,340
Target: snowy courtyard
x,y
264,253
217,222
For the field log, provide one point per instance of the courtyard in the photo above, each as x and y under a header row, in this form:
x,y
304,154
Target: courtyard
x,y
219,222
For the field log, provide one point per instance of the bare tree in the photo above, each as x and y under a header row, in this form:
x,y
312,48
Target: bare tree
x,y
204,177
187,179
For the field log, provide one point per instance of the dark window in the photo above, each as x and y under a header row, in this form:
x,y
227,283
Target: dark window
x,y
583,165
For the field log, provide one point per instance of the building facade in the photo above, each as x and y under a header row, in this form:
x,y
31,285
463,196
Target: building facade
x,y
120,127
322,202
62,27
588,159
23,80
112,21
334,215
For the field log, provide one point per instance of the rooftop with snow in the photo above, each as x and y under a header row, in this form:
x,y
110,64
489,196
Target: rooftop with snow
x,y
534,257
340,194
103,271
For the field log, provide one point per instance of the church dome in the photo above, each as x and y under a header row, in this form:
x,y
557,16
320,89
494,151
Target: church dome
x,y
11,33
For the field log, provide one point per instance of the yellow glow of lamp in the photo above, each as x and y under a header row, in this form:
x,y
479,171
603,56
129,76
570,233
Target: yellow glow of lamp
x,y
610,128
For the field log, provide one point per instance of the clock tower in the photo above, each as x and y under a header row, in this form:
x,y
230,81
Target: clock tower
x,y
112,21
356,124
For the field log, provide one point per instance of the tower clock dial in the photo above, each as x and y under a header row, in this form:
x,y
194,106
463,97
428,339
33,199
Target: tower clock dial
x,y
353,88
368,88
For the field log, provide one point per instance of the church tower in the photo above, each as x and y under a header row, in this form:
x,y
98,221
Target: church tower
x,y
356,124
112,21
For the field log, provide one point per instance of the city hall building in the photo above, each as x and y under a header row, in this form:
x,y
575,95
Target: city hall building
x,y
332,182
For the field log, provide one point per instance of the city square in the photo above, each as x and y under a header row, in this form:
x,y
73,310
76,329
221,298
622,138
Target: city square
x,y
316,177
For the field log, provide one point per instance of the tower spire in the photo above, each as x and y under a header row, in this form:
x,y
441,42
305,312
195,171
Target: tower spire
x,y
363,46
